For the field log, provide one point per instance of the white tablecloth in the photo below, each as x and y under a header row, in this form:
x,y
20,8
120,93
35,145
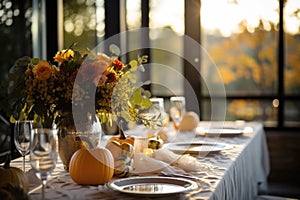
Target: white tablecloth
x,y
248,166
234,173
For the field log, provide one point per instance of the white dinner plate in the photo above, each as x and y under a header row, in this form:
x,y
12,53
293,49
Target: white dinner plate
x,y
223,132
152,185
197,147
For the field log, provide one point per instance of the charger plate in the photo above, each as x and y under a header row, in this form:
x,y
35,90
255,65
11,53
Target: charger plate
x,y
152,185
197,147
223,132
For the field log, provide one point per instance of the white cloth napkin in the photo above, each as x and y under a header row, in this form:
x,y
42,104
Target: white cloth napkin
x,y
145,165
185,162
165,160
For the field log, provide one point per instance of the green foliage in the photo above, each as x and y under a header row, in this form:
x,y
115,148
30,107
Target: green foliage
x,y
140,99
13,100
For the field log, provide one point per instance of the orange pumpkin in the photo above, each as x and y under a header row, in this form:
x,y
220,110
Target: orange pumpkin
x,y
13,175
122,138
91,166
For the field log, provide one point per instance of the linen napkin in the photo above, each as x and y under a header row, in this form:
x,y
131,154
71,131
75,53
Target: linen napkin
x,y
167,161
145,165
185,162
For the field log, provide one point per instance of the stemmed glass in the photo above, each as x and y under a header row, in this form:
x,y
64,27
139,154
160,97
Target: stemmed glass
x,y
177,109
156,115
43,154
22,135
158,110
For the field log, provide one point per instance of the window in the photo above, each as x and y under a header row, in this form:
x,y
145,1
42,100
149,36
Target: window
x,y
163,62
16,41
243,39
15,32
83,22
292,64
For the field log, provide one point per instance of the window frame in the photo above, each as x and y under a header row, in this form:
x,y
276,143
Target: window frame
x,y
193,30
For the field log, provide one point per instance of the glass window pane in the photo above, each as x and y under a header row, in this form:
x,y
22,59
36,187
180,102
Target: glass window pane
x,y
83,23
15,32
16,42
241,38
248,110
292,114
292,40
133,14
166,14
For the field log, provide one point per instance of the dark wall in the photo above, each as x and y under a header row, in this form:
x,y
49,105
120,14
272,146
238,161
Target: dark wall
x,y
284,153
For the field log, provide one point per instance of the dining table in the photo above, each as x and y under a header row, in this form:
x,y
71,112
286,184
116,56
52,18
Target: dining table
x,y
234,171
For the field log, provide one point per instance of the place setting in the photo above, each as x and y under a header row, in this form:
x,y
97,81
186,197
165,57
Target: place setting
x,y
164,171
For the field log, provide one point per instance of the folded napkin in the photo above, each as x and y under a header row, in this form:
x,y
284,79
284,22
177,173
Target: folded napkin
x,y
165,160
185,162
145,165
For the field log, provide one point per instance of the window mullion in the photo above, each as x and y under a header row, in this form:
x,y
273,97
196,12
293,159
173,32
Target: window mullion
x,y
281,65
145,41
192,75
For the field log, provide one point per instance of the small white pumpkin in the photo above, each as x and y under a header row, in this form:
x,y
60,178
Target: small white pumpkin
x,y
189,121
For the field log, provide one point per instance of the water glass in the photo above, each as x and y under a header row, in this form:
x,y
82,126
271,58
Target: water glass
x,y
22,134
177,109
158,111
43,154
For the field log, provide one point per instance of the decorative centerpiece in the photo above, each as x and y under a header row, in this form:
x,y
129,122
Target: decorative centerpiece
x,y
74,93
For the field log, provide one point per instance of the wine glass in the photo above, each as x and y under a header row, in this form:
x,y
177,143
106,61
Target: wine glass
x,y
43,154
177,109
22,135
158,114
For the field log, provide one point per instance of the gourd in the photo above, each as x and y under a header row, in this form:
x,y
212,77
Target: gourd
x,y
91,166
122,138
13,175
189,122
155,143
121,148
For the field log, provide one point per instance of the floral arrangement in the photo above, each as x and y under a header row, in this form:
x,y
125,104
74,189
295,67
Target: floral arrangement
x,y
42,90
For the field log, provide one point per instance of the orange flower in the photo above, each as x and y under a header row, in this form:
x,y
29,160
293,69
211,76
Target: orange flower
x,y
64,55
111,77
42,70
118,65
28,72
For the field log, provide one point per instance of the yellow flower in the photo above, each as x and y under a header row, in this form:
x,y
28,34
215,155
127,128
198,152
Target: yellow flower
x,y
64,55
42,70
